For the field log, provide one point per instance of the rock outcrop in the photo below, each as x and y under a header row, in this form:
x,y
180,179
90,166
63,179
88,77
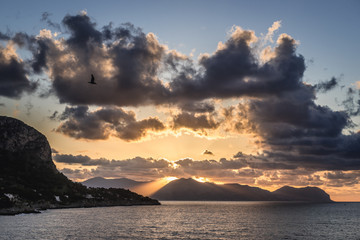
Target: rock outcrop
x,y
29,180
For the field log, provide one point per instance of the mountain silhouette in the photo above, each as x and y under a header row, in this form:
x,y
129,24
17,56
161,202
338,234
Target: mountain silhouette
x,y
287,193
112,183
190,189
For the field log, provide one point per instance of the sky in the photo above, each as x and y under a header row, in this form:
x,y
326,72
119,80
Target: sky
x,y
263,93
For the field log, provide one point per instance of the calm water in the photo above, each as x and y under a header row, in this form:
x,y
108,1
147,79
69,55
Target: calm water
x,y
190,220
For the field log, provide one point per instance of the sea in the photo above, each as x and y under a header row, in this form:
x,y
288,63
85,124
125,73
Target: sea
x,y
191,220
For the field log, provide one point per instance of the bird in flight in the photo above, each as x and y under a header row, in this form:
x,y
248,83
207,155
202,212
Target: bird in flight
x,y
92,81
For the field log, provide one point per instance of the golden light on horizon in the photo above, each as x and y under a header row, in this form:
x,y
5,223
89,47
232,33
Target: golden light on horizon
x,y
169,179
201,179
150,188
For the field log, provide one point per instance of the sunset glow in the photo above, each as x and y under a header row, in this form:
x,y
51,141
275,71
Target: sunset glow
x,y
169,179
232,95
151,187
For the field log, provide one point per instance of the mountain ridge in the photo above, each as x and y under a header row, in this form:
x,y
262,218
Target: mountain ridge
x,y
125,183
187,189
190,189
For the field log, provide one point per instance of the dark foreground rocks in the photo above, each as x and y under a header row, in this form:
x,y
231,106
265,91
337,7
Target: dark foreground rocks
x,y
30,182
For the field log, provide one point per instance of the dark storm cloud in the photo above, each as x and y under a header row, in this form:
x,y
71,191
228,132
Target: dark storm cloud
x,y
276,106
233,71
39,62
126,64
198,107
327,86
79,122
124,61
296,115
298,133
342,175
133,163
191,121
313,154
341,178
80,159
139,167
125,67
13,76
82,31
39,47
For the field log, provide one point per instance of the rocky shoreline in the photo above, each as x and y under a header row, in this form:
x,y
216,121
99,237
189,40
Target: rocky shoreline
x,y
30,182
38,208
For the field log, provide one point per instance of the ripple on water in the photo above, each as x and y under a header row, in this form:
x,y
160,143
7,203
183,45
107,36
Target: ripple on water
x,y
190,220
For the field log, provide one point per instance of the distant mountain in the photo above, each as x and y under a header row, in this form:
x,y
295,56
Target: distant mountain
x,y
112,183
189,189
312,194
29,179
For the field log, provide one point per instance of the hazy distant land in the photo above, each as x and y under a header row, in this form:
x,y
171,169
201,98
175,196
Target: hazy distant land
x,y
190,189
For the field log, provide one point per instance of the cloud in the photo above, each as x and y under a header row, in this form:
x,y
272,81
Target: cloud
x,y
79,122
352,102
223,170
80,159
194,122
357,84
133,163
197,107
13,74
341,179
135,168
326,86
127,64
54,115
297,133
149,168
45,17
271,30
233,71
134,69
28,107
124,61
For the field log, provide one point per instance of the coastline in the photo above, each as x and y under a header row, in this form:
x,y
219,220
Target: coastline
x,y
38,208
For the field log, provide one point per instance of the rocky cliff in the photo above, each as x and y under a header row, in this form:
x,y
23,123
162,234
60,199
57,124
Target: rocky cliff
x,y
29,179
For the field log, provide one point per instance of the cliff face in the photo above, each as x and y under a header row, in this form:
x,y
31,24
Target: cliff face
x,y
19,139
29,179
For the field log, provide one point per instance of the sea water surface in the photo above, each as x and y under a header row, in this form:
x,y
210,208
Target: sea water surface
x,y
191,220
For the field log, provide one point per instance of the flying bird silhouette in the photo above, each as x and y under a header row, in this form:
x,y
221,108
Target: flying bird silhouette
x,y
92,81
